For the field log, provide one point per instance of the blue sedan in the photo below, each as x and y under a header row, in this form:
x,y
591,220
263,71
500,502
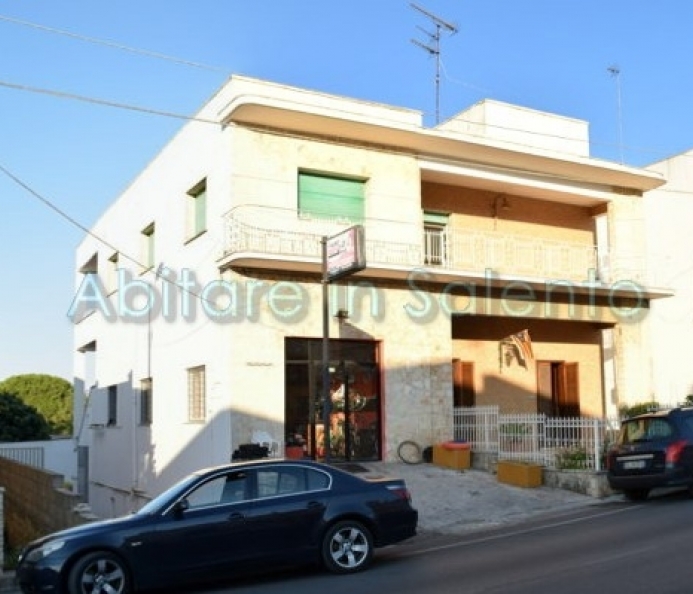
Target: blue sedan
x,y
218,523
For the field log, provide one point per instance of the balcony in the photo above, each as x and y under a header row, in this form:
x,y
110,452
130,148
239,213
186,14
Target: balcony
x,y
280,239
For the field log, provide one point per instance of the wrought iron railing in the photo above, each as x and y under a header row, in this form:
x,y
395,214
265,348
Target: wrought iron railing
x,y
576,443
283,232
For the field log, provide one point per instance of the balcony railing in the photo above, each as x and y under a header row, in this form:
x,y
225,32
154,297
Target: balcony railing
x,y
283,233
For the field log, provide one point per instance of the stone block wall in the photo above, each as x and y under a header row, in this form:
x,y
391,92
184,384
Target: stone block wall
x,y
35,503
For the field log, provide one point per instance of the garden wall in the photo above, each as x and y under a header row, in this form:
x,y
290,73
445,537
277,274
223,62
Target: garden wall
x,y
35,503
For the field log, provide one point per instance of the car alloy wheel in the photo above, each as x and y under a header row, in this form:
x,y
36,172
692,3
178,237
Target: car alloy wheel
x,y
347,547
99,573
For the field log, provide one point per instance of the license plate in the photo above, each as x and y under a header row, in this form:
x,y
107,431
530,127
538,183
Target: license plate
x,y
633,464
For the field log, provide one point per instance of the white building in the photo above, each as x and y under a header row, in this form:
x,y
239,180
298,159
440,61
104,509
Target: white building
x,y
668,218
503,265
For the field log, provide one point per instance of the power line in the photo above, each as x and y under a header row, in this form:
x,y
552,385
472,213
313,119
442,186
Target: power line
x,y
158,273
107,103
435,50
112,44
62,213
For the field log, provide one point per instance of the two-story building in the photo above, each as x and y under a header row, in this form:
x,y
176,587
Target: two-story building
x,y
503,265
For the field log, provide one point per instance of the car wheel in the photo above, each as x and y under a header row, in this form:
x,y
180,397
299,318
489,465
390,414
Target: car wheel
x,y
347,547
636,494
100,572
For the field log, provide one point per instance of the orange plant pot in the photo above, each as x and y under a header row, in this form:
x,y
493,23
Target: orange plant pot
x,y
294,452
519,474
452,454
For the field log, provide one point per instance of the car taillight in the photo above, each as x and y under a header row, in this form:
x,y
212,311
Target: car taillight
x,y
674,451
401,492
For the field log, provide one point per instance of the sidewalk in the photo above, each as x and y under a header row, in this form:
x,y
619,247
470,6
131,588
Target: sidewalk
x,y
454,502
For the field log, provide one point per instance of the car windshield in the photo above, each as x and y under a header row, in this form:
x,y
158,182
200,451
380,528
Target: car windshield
x,y
646,429
167,496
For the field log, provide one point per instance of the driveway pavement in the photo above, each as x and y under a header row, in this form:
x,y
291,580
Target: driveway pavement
x,y
454,501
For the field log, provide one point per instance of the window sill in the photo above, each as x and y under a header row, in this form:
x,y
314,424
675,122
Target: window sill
x,y
194,237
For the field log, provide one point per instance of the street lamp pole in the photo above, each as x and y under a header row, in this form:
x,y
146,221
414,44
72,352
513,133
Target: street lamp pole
x,y
326,400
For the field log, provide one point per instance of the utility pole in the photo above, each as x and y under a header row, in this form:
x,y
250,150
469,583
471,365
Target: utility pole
x,y
433,46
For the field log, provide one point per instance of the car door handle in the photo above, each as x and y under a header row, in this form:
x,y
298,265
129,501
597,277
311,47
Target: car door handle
x,y
314,504
236,517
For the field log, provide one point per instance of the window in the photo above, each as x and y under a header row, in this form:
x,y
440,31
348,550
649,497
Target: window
x,y
196,393
148,247
289,480
90,286
91,266
207,494
645,430
233,487
435,225
196,215
112,406
146,401
330,197
112,273
463,391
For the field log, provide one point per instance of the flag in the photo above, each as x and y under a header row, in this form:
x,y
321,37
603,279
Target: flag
x,y
523,342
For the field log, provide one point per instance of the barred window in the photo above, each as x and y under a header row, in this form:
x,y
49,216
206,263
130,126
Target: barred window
x,y
146,386
196,393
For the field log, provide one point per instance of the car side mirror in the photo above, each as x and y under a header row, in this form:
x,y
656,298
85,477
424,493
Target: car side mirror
x,y
181,506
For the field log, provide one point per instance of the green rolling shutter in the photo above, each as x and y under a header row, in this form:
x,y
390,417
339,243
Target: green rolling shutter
x,y
435,218
330,197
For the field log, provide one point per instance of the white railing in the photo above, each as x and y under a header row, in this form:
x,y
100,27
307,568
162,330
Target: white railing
x,y
282,232
520,255
31,456
559,443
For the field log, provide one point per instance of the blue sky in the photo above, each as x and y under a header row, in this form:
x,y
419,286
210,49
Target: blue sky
x,y
551,55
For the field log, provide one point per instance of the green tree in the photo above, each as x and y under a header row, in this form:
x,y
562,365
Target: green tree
x,y
626,412
19,421
50,395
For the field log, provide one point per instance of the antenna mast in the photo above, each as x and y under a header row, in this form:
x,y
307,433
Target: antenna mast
x,y
433,47
615,72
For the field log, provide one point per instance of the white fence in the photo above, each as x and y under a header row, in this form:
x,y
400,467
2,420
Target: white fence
x,y
560,443
58,455
31,456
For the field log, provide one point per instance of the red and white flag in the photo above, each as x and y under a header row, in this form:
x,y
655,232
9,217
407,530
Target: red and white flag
x,y
523,342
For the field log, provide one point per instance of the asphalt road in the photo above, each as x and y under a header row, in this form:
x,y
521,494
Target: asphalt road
x,y
614,547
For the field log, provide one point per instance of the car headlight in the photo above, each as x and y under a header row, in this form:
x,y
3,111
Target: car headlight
x,y
42,551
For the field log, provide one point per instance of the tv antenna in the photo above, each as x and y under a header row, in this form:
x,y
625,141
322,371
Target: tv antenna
x,y
615,72
433,45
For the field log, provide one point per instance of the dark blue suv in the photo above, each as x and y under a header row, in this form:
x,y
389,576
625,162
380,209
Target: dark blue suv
x,y
652,450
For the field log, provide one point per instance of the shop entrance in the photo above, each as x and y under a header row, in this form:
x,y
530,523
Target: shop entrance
x,y
354,390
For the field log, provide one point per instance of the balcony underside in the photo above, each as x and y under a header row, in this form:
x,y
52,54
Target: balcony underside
x,y
438,276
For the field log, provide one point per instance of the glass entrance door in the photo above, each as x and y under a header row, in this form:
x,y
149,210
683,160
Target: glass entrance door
x,y
354,394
